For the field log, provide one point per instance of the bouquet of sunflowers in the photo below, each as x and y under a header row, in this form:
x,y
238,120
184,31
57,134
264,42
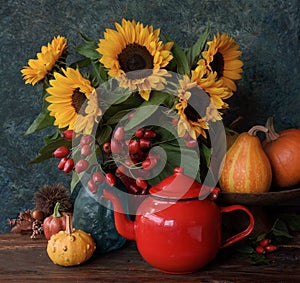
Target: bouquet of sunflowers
x,y
133,108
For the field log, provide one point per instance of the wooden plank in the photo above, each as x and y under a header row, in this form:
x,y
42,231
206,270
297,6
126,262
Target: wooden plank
x,y
25,260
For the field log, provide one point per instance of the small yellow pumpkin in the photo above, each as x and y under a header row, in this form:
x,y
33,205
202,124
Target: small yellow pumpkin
x,y
70,247
246,168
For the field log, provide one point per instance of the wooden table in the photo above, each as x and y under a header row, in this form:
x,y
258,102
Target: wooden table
x,y
25,260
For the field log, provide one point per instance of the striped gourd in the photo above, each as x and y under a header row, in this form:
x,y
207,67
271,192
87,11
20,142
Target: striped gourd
x,y
246,168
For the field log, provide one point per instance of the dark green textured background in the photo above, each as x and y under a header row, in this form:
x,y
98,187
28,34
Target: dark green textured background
x,y
268,32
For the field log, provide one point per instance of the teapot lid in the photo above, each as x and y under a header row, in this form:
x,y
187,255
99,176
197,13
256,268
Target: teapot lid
x,y
178,186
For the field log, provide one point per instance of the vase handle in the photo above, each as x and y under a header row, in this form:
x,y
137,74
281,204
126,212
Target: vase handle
x,y
242,234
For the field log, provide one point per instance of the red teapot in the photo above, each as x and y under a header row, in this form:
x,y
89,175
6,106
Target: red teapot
x,y
177,227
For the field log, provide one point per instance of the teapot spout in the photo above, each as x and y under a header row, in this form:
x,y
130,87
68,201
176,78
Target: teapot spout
x,y
124,226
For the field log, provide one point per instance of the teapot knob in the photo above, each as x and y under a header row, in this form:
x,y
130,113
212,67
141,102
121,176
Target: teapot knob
x,y
179,170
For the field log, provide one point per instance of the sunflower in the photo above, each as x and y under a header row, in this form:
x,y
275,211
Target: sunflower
x,y
85,123
37,69
209,83
135,56
212,114
191,97
223,57
68,93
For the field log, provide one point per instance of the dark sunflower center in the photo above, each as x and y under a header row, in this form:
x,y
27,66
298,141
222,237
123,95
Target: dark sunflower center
x,y
136,58
217,64
78,99
197,105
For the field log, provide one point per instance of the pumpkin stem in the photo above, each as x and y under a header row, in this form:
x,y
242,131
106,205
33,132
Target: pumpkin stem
x,y
256,129
271,135
56,213
69,227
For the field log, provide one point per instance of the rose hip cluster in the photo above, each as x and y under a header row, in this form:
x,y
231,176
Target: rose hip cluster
x,y
265,246
133,157
67,163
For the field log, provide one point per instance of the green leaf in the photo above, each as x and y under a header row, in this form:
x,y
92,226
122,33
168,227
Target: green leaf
x,y
46,152
75,180
98,74
280,230
261,237
89,48
183,66
118,117
88,51
42,121
146,109
193,54
292,221
56,135
104,134
178,155
81,63
206,151
259,259
120,96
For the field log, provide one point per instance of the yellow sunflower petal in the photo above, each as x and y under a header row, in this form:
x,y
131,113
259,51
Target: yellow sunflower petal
x,y
132,42
38,69
67,92
223,57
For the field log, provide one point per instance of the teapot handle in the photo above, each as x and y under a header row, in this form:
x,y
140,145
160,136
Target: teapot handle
x,y
242,234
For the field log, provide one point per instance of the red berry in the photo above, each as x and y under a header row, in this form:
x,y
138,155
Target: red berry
x,y
149,134
148,163
106,147
86,140
119,134
92,186
139,133
264,242
62,163
85,150
134,189
68,134
260,250
138,156
69,165
191,144
98,177
81,165
270,248
115,146
61,152
141,183
121,170
133,146
110,179
145,143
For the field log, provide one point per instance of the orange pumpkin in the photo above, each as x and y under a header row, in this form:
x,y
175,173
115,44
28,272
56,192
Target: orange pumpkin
x,y
246,168
283,151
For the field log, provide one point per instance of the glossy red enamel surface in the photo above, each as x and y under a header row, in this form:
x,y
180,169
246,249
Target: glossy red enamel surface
x,y
181,238
177,236
177,186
